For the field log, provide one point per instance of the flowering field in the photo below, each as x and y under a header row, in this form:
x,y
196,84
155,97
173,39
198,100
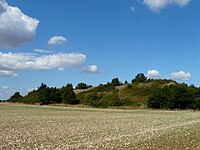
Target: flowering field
x,y
48,127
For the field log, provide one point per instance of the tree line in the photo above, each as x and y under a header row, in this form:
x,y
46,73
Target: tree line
x,y
47,95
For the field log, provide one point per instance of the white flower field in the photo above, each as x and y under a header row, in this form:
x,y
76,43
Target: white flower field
x,y
51,127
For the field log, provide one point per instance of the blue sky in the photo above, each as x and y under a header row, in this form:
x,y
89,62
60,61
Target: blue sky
x,y
93,41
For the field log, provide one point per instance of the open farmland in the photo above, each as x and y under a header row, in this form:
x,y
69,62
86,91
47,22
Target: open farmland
x,y
47,127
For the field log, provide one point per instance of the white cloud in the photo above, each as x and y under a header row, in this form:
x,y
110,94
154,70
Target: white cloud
x,y
91,69
16,28
181,75
8,73
57,40
157,5
42,51
12,62
153,74
61,69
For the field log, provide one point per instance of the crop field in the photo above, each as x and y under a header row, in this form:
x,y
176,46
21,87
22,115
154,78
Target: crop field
x,y
50,127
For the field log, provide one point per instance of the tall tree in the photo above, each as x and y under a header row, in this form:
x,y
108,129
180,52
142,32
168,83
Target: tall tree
x,y
68,95
139,78
115,82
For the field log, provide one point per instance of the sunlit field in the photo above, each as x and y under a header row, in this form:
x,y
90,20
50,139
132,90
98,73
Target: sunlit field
x,y
49,127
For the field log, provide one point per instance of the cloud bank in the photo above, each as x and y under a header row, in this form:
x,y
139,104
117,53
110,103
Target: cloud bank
x,y
57,40
157,5
10,63
181,75
16,28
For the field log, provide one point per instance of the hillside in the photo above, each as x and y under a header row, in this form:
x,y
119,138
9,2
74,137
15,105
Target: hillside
x,y
135,94
141,93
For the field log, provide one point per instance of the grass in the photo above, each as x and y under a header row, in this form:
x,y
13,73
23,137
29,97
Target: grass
x,y
49,127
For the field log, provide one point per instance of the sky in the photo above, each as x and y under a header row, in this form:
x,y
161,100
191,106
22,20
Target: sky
x,y
94,41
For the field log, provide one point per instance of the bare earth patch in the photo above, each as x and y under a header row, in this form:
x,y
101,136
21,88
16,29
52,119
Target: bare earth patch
x,y
48,127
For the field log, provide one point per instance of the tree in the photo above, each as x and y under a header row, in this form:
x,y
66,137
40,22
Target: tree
x,y
42,86
115,82
126,82
55,95
82,86
44,96
139,78
174,96
16,97
68,95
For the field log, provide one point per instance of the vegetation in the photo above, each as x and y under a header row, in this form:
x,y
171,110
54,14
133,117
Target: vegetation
x,y
68,95
83,86
142,92
177,96
139,78
16,97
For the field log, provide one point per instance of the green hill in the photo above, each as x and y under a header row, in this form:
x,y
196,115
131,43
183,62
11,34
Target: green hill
x,y
135,94
141,93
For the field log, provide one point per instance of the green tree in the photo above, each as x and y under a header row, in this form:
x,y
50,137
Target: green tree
x,y
115,82
126,82
16,97
55,95
44,96
82,86
177,96
68,95
139,78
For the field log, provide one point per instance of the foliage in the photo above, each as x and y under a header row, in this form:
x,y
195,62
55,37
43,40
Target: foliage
x,y
16,97
68,95
115,82
83,86
178,96
142,92
139,78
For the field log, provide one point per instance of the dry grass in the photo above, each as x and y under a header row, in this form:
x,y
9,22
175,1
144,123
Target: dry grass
x,y
48,127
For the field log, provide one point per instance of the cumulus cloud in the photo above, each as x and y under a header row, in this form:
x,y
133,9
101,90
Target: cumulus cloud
x,y
91,69
12,62
157,5
57,40
153,74
181,75
16,28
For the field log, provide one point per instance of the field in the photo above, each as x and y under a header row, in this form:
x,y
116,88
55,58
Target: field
x,y
48,127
